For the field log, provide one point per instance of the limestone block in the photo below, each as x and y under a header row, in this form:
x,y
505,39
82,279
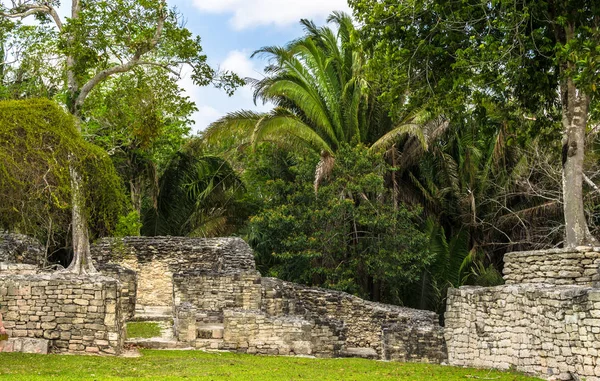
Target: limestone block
x,y
25,345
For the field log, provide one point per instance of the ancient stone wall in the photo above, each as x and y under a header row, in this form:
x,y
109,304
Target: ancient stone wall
x,y
552,331
364,321
545,321
78,314
128,280
218,291
156,259
558,266
18,248
221,302
255,332
17,269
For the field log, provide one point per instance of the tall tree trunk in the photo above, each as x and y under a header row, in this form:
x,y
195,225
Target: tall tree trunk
x,y
135,188
575,106
82,257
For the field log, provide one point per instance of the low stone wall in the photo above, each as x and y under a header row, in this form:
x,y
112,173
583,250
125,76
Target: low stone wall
x,y
552,331
128,279
17,269
18,248
363,321
414,343
254,332
557,266
78,314
156,259
216,292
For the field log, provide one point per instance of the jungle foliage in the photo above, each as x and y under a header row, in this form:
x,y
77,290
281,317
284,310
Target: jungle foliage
x,y
348,237
38,143
402,157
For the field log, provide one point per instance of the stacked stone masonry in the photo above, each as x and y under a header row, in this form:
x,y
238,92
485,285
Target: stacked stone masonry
x,y
220,301
76,314
218,291
18,248
545,321
128,280
156,259
368,327
557,266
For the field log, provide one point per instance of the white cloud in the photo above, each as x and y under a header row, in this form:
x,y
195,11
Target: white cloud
x,y
249,13
214,103
206,115
239,62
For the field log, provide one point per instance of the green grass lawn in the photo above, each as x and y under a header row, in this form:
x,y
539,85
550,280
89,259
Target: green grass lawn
x,y
195,365
142,330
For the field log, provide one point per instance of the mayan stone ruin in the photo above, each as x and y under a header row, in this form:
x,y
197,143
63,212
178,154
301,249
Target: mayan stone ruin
x,y
218,300
544,321
210,296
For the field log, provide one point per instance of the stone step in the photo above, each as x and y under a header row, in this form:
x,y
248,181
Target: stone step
x,y
144,313
210,331
157,343
210,344
365,353
25,345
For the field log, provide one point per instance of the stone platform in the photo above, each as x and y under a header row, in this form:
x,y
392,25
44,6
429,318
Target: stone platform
x,y
545,321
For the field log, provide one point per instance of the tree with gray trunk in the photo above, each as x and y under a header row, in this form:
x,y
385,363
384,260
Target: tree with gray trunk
x,y
100,39
542,56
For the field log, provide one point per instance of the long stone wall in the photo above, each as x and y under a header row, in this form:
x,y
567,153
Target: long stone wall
x,y
556,266
180,253
545,321
368,326
77,314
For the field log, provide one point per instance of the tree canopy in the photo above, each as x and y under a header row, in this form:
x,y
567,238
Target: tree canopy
x,y
540,58
37,140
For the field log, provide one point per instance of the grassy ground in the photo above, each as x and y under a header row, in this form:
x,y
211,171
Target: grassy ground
x,y
142,330
195,365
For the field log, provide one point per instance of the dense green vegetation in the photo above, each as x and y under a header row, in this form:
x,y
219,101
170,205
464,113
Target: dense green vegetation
x,y
38,143
401,157
181,365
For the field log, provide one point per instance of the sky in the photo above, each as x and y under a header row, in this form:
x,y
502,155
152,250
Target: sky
x,y
231,30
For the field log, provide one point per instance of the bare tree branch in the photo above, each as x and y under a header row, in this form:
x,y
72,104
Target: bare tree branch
x,y
23,10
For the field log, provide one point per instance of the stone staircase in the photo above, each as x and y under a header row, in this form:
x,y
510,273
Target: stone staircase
x,y
153,314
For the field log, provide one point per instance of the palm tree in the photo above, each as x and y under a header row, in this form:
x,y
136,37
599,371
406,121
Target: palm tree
x,y
196,197
321,97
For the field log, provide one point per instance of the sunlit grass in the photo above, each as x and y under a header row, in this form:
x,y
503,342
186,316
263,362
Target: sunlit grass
x,y
196,365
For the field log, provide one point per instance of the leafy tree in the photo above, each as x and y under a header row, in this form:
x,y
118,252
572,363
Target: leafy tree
x,y
540,55
322,99
141,119
36,139
348,237
102,39
197,196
